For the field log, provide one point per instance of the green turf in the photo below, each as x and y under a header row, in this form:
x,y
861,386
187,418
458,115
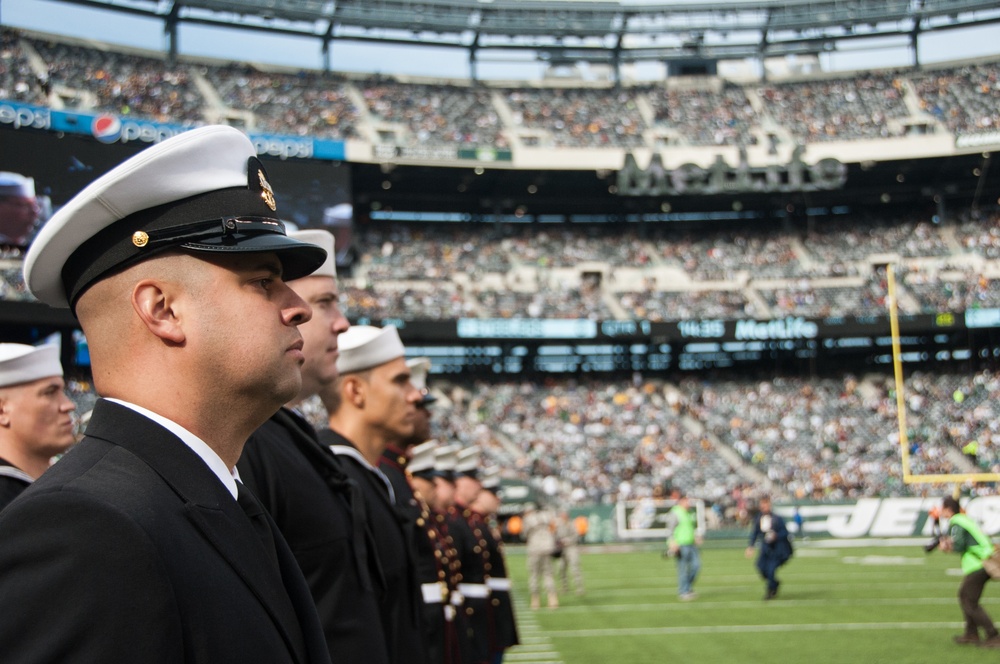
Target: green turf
x,y
836,605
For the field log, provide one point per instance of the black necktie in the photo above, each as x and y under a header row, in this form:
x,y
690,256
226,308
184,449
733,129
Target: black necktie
x,y
258,518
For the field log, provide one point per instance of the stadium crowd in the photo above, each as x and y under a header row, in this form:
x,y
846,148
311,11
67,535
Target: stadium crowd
x,y
52,71
424,271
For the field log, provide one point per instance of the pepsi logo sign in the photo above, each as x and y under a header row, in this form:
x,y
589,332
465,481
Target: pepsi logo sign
x,y
106,128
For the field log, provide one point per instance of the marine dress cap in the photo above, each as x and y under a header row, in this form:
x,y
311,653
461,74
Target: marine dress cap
x,y
365,346
422,458
203,191
324,240
444,461
21,363
467,463
491,480
419,368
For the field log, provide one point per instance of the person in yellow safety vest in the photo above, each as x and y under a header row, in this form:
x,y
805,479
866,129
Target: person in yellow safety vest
x,y
683,540
966,538
971,450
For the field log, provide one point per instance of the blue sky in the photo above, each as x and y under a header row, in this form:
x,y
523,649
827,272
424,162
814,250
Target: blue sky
x,y
69,19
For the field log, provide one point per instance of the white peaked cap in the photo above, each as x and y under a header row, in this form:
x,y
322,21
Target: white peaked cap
x,y
490,479
419,366
325,240
365,346
445,458
468,461
422,457
203,191
21,363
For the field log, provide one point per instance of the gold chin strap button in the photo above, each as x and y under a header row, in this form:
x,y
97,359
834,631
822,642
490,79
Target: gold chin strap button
x,y
140,239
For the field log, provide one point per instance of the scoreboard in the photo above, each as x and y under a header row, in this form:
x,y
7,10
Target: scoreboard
x,y
558,346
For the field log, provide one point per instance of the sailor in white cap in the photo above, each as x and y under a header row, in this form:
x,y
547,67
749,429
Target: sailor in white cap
x,y
301,484
371,404
503,630
36,421
175,263
18,208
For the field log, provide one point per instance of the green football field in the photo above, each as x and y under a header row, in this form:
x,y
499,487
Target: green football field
x,y
837,605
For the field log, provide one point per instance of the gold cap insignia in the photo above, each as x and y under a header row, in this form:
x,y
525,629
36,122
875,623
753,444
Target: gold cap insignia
x,y
267,193
140,239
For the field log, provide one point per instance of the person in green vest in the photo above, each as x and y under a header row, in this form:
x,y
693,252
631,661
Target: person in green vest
x,y
971,450
683,540
966,538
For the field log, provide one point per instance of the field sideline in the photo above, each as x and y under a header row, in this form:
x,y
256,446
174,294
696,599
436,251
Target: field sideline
x,y
836,605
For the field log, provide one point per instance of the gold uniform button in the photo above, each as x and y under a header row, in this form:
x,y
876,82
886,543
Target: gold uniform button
x,y
140,239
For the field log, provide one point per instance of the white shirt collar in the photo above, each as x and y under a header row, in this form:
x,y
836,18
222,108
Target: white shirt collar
x,y
228,476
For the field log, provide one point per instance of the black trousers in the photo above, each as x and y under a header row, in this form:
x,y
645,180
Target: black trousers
x,y
969,593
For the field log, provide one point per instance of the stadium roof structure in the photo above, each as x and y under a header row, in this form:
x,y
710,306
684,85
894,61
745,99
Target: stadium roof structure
x,y
611,32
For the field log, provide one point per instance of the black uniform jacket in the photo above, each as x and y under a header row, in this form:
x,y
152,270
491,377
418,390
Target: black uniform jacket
x,y
131,550
400,607
471,548
12,482
504,632
321,512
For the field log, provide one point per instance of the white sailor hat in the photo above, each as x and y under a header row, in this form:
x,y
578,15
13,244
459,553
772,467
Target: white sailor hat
x,y
21,363
365,346
202,191
323,239
467,463
15,184
419,368
422,458
445,458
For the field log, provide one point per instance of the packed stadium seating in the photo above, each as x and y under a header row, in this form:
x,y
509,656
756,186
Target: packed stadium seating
x,y
815,438
55,71
450,271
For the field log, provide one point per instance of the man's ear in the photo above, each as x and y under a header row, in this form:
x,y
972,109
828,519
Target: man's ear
x,y
354,391
4,410
155,304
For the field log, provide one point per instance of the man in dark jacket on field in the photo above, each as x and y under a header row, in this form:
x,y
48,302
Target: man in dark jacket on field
x,y
775,547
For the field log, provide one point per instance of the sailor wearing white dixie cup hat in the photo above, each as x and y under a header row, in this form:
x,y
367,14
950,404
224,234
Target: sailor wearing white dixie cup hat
x,y
371,404
36,421
299,481
174,263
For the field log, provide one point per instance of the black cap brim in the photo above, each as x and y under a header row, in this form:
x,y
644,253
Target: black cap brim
x,y
298,259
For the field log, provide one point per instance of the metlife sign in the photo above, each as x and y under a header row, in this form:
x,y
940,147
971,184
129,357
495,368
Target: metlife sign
x,y
109,129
